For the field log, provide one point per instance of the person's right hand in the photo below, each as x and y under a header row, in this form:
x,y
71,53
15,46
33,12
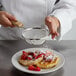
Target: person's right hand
x,y
6,18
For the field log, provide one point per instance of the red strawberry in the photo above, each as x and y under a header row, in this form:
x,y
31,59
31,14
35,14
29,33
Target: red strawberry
x,y
44,57
29,58
31,53
37,69
23,57
43,54
25,53
40,55
34,55
34,68
49,60
31,67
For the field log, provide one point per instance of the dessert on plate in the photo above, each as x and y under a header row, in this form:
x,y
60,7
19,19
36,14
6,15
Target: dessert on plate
x,y
29,58
38,60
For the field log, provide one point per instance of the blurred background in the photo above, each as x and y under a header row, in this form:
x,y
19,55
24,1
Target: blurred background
x,y
71,35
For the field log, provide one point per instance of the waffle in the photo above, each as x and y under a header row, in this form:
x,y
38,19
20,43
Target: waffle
x,y
47,65
29,62
43,60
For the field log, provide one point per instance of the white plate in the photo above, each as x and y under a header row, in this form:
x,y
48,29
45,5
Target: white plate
x,y
24,69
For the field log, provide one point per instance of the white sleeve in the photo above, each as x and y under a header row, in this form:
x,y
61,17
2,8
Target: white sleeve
x,y
65,11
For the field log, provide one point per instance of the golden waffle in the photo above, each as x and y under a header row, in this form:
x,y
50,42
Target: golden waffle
x,y
46,65
29,62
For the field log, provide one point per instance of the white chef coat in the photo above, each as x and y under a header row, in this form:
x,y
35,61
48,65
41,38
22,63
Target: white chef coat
x,y
33,12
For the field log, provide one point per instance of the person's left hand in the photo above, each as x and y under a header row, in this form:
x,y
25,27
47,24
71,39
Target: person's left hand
x,y
53,25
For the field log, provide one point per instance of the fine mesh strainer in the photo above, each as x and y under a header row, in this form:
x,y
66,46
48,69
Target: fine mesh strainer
x,y
35,35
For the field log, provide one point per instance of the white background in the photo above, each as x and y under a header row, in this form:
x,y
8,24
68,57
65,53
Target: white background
x,y
71,35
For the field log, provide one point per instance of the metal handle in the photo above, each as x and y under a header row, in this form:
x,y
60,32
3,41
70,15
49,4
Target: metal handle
x,y
17,23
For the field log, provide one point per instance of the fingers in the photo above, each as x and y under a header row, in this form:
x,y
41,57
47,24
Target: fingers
x,y
10,17
54,35
53,31
52,25
5,19
48,21
6,22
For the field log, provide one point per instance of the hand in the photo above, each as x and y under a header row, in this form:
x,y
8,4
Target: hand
x,y
53,25
6,18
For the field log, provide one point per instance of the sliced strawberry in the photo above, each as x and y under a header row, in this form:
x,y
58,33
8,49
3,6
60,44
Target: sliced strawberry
x,y
49,60
23,57
44,57
37,69
30,53
34,68
24,53
43,54
29,58
31,67
33,54
40,55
